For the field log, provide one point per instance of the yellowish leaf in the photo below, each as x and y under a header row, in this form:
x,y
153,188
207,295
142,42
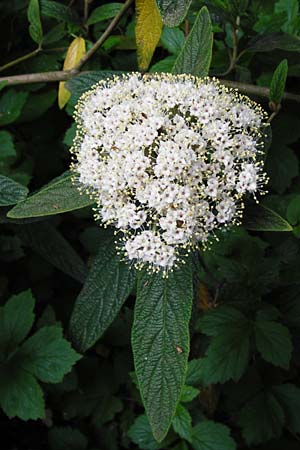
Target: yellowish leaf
x,y
147,31
75,52
204,299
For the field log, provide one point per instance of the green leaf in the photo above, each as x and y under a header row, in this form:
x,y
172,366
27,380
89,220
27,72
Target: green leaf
x,y
228,353
282,167
219,320
273,341
173,12
59,196
66,438
58,11
272,41
261,218
182,423
209,435
11,192
36,105
104,12
194,372
11,105
7,148
83,82
35,27
288,395
21,395
278,82
107,286
188,393
47,355
261,419
16,319
172,39
160,341
51,245
140,433
293,211
195,57
164,65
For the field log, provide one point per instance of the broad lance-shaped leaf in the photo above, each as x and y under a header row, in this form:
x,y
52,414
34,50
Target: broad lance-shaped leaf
x,y
195,57
11,192
147,31
173,11
107,286
52,246
278,82
160,341
59,196
75,52
261,218
35,27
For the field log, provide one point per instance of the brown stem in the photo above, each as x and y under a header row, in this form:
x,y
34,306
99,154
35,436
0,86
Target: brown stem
x,y
104,36
22,58
64,75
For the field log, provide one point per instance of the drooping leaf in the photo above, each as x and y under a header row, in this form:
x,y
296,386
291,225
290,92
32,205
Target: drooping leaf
x,y
261,218
209,435
83,82
75,52
140,433
58,11
195,56
66,438
7,148
194,372
11,105
293,210
188,393
104,12
288,395
160,341
21,395
261,419
47,355
59,196
272,41
35,27
172,39
51,245
11,192
16,319
182,423
273,341
228,352
147,31
107,286
278,82
282,166
173,12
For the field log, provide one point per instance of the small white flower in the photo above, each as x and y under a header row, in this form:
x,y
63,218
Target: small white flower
x,y
167,159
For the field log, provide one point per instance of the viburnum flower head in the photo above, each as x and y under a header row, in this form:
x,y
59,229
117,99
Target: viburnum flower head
x,y
168,160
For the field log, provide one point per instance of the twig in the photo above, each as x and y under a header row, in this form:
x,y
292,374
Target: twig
x,y
234,55
44,77
104,36
64,75
86,10
260,91
22,58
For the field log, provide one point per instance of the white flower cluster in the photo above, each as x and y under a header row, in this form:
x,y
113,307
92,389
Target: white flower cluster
x,y
167,159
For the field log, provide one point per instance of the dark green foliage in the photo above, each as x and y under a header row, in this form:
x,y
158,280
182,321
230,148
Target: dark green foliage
x,y
206,359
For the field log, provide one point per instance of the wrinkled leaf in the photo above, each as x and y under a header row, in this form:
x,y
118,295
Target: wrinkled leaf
x,y
195,57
